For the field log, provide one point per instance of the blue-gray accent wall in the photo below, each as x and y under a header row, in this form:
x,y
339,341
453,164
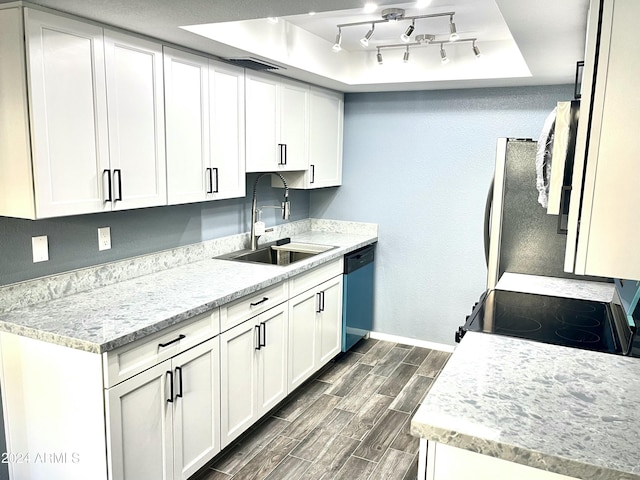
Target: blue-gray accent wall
x,y
73,241
419,164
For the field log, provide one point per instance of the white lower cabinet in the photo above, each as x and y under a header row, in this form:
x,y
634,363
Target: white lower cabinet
x,y
444,462
164,422
315,329
253,370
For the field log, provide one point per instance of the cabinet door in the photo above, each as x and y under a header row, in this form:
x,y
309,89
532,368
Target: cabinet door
x,y
262,122
608,216
196,434
330,320
187,120
68,110
326,114
302,337
139,426
238,380
272,357
226,92
135,106
294,125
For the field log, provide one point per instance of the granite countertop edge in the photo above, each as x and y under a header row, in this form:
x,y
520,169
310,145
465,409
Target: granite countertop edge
x,y
268,275
516,454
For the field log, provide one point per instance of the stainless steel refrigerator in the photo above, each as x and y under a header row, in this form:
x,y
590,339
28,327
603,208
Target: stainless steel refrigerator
x,y
520,237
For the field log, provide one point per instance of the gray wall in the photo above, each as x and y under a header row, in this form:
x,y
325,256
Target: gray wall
x,y
73,241
419,164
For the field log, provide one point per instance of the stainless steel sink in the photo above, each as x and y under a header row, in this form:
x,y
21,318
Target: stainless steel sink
x,y
278,254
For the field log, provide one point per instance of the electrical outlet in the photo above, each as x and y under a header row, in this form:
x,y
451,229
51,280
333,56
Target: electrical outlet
x,y
40,247
104,238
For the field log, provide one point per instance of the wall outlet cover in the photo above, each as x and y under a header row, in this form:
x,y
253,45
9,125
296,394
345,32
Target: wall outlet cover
x,y
104,238
40,247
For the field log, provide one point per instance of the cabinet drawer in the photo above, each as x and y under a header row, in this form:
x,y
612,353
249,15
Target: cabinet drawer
x,y
305,281
236,312
133,358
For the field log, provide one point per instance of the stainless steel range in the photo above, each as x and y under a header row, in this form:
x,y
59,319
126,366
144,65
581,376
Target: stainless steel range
x,y
528,294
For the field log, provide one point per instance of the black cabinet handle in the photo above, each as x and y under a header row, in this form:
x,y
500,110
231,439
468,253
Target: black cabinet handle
x,y
170,375
264,299
318,302
322,301
263,326
180,337
179,370
108,173
119,172
214,190
283,154
313,173
207,172
256,332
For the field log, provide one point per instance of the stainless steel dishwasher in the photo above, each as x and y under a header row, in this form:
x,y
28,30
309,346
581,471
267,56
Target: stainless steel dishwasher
x,y
357,295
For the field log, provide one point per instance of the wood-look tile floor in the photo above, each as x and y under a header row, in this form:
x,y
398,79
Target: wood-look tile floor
x,y
350,422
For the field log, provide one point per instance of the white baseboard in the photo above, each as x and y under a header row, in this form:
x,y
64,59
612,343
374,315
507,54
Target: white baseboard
x,y
414,342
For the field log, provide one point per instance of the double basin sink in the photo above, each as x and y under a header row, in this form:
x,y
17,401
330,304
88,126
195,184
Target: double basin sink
x,y
274,254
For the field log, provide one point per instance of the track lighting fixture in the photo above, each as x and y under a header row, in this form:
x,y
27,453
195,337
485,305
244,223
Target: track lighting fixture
x,y
364,41
476,50
405,57
406,36
337,46
452,29
379,57
443,55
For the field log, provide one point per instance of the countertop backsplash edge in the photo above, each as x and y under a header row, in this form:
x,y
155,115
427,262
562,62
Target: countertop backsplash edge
x,y
44,289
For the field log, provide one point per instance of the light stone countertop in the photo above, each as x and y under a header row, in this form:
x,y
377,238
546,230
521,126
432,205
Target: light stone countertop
x,y
557,287
104,318
560,409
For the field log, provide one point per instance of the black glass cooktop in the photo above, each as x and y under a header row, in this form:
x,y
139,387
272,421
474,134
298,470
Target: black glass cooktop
x,y
562,321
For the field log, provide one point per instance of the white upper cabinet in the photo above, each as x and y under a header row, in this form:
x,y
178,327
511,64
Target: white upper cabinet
x,y
135,108
95,122
205,128
277,124
324,167
605,221
68,104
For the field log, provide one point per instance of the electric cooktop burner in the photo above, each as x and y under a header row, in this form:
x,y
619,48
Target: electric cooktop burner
x,y
561,321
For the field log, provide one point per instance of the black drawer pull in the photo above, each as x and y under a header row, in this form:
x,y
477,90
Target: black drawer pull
x,y
264,299
180,337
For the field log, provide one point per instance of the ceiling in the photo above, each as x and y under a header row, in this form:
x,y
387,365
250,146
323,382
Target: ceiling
x,y
522,43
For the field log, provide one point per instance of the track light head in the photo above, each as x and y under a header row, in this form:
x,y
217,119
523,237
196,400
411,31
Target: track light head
x,y
406,36
364,41
337,46
453,32
443,55
405,58
476,50
379,56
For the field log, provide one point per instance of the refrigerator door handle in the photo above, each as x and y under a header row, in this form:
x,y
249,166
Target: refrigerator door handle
x,y
487,223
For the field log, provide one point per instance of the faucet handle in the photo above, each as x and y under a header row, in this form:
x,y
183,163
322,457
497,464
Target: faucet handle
x,y
286,210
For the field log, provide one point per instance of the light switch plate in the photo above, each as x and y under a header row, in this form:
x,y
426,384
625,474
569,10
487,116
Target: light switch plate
x,y
104,238
40,247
